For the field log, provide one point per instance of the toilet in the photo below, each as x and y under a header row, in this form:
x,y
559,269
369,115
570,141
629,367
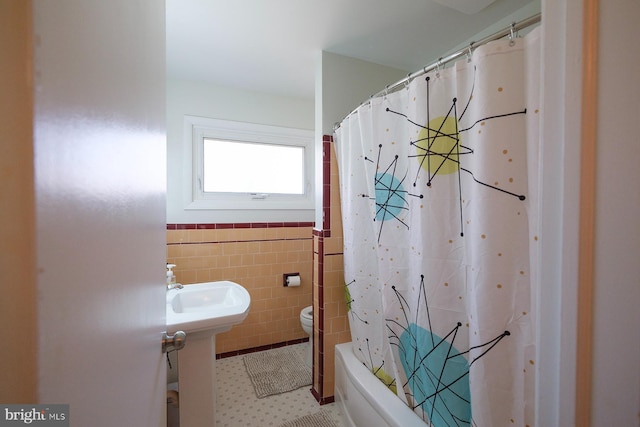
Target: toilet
x,y
306,319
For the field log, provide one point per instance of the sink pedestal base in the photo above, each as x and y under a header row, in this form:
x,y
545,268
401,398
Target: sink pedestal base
x,y
197,379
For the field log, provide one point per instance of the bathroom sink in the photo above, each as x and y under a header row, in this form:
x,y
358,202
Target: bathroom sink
x,y
202,310
211,306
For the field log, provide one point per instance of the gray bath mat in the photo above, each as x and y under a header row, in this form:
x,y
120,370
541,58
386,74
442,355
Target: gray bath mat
x,y
276,371
319,419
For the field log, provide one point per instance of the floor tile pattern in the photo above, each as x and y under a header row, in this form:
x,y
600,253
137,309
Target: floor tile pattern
x,y
238,406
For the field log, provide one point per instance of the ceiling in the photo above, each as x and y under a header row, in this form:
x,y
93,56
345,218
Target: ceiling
x,y
272,45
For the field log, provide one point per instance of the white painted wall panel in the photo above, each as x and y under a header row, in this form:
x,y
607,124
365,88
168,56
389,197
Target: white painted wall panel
x,y
616,317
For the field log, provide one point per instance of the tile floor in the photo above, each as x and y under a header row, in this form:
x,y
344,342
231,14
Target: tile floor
x,y
238,406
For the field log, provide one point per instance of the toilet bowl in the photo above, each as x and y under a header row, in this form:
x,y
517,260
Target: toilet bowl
x,y
306,319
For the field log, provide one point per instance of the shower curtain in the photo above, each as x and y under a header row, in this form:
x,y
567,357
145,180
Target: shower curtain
x,y
439,194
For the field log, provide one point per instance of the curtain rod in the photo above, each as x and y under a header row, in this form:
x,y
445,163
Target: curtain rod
x,y
509,31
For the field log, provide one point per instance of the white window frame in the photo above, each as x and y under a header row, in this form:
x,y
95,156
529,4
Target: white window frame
x,y
198,128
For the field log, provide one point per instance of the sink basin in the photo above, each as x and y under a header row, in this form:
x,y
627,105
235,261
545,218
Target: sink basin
x,y
214,306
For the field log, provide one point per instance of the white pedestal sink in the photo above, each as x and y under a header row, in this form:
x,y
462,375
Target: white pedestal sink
x,y
202,310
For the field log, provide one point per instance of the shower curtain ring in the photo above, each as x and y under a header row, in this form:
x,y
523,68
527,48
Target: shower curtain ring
x,y
469,52
512,34
438,65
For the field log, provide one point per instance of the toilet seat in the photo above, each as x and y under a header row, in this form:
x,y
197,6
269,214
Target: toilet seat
x,y
307,313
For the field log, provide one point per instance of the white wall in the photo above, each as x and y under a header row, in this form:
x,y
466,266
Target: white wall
x,y
559,212
343,83
616,317
220,102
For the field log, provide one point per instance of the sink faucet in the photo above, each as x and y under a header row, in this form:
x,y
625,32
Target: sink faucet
x,y
171,278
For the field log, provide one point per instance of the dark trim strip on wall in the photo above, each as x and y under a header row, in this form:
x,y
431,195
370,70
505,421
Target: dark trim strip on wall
x,y
325,232
327,140
318,389
261,348
318,393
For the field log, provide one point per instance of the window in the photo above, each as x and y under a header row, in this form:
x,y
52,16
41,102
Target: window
x,y
239,166
253,168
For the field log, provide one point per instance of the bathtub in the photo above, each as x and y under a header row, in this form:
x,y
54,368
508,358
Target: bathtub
x,y
364,399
